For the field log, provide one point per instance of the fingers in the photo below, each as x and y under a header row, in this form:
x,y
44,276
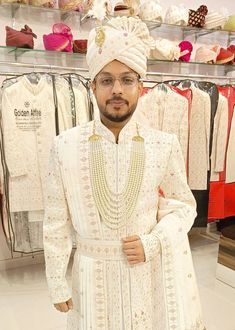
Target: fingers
x,y
61,307
65,306
130,245
131,239
133,250
134,260
70,304
129,252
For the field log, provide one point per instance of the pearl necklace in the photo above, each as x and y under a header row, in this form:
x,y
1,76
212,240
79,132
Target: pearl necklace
x,y
116,208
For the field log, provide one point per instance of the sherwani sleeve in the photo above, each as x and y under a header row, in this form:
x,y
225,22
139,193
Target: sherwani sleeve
x,y
57,232
221,139
176,206
207,118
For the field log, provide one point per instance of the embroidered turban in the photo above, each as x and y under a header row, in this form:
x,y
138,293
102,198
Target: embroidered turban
x,y
125,39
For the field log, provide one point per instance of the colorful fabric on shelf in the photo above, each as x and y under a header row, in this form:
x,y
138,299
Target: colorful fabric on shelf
x,y
151,11
186,49
61,39
197,17
80,46
177,15
164,49
205,54
225,56
20,39
44,3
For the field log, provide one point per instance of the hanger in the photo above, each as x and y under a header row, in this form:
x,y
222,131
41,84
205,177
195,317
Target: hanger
x,y
162,87
85,81
34,77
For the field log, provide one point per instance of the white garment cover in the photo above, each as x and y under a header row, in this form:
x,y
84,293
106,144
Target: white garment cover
x,y
219,141
230,160
107,292
28,118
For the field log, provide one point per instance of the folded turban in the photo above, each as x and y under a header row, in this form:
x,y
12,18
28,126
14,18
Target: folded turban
x,y
125,39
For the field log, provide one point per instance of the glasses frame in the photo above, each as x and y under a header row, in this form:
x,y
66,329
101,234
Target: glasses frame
x,y
137,76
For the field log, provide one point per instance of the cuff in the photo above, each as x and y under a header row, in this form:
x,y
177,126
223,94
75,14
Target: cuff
x,y
60,293
151,245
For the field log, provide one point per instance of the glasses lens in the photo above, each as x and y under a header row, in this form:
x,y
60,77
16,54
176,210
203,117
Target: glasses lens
x,y
105,81
127,80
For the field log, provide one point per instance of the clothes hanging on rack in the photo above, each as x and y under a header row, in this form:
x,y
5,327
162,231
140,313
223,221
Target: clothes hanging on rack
x,y
222,191
219,138
166,109
199,135
80,91
212,90
201,114
35,108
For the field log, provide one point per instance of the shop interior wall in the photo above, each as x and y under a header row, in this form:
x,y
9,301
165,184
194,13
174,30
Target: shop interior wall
x,y
41,23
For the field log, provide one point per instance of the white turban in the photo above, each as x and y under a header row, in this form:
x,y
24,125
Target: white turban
x,y
126,40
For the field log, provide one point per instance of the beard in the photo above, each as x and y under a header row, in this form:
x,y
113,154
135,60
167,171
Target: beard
x,y
117,116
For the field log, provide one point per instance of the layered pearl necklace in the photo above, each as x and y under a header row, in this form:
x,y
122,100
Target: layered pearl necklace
x,y
116,208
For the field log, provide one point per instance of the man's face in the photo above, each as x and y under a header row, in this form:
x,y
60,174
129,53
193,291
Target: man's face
x,y
117,89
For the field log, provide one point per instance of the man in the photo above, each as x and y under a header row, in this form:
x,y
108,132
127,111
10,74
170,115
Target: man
x,y
122,187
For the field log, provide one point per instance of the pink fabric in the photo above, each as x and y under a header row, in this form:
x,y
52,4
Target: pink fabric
x,y
60,40
187,48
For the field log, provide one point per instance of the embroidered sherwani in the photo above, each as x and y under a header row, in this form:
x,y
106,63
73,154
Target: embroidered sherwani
x,y
107,292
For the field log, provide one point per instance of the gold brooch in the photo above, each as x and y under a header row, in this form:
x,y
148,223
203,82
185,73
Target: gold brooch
x,y
100,36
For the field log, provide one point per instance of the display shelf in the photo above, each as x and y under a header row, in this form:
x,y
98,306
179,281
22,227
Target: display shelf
x,y
37,58
41,59
190,68
195,35
15,10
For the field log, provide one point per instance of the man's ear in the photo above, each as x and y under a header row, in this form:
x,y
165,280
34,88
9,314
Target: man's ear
x,y
140,87
93,86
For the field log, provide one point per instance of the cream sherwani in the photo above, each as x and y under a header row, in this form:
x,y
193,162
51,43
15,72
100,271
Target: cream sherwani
x,y
167,111
108,293
220,132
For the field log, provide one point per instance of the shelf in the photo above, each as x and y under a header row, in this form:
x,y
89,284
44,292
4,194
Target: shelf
x,y
37,58
40,58
190,68
15,10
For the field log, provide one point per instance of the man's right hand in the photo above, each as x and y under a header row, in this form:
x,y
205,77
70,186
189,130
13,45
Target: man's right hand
x,y
64,307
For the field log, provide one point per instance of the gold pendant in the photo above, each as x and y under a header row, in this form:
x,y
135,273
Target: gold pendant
x,y
100,36
138,138
94,137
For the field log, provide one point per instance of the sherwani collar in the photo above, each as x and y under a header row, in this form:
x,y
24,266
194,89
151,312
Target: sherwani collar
x,y
127,132
35,89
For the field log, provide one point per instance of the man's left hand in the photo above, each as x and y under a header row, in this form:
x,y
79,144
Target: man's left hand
x,y
133,249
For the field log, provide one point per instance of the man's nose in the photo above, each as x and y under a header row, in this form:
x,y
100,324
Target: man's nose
x,y
117,87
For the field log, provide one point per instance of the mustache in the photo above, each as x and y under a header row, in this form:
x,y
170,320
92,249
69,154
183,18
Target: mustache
x,y
117,99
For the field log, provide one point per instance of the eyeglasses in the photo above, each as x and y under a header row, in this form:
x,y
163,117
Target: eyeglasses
x,y
127,80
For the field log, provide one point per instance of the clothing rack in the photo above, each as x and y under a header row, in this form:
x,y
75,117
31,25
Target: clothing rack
x,y
41,66
191,77
50,68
